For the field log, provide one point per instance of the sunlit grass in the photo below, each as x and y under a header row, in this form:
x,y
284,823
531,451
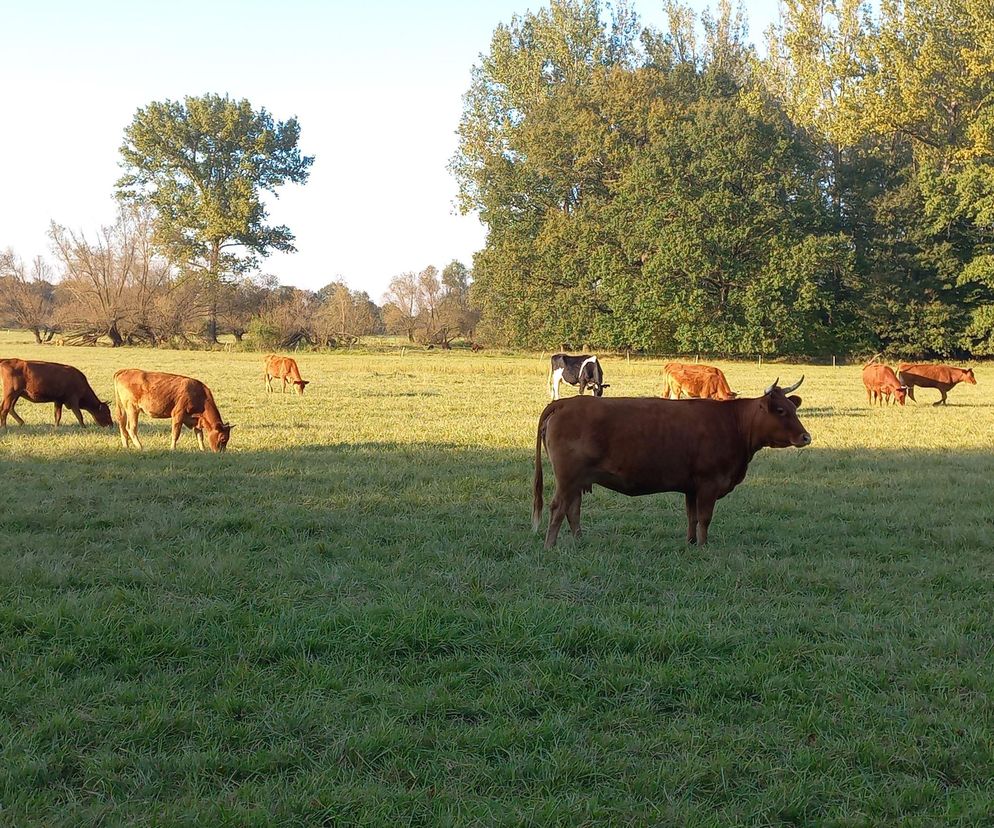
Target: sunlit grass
x,y
346,618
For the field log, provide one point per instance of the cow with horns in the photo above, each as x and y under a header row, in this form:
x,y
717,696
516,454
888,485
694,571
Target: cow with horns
x,y
645,445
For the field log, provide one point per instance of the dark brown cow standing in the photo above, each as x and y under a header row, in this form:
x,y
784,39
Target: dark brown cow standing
x,y
881,382
941,377
699,381
187,402
642,445
49,382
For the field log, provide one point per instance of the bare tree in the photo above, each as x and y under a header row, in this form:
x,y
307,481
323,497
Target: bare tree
x,y
27,300
113,282
400,305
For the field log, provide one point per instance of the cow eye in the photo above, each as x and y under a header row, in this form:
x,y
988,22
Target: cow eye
x,y
780,411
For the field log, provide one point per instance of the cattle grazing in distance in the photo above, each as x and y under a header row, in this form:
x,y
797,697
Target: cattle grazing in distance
x,y
187,402
584,371
283,369
940,377
49,382
701,381
645,445
881,382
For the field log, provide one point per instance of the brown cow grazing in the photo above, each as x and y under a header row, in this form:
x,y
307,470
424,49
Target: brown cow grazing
x,y
283,368
881,382
43,382
188,402
941,377
703,381
642,445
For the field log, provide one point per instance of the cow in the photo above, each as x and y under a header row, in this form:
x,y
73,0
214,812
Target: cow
x,y
583,370
940,377
44,382
187,402
283,368
702,381
645,445
881,382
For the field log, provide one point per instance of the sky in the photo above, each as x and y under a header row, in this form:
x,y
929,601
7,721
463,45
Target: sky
x,y
377,88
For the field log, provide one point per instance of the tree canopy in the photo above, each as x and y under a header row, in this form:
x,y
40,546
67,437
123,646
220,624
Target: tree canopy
x,y
673,191
203,164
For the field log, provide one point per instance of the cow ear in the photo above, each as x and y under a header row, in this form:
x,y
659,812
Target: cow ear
x,y
795,399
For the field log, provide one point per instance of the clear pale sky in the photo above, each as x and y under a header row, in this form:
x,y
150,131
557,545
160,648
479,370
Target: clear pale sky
x,y
377,88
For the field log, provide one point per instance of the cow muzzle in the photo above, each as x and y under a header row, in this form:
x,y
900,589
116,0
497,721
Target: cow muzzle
x,y
802,440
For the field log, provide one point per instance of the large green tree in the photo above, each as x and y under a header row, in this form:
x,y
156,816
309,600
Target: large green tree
x,y
203,165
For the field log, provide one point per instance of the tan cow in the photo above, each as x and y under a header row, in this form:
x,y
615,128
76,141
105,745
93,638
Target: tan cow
x,y
940,377
881,383
700,381
283,368
187,402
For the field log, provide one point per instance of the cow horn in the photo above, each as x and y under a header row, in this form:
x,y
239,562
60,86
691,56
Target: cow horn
x,y
795,386
774,385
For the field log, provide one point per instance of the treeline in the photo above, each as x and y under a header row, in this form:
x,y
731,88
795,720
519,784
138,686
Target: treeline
x,y
672,191
115,286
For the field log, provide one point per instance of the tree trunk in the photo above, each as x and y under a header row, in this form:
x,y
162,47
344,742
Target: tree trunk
x,y
37,334
238,335
213,278
115,336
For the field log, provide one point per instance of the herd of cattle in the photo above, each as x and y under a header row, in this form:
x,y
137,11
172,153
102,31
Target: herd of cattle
x,y
185,401
700,446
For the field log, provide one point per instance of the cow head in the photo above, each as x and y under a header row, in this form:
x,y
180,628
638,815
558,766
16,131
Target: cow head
x,y
101,414
969,377
218,436
299,384
777,423
901,393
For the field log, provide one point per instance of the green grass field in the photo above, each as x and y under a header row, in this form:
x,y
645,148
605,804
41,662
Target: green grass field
x,y
347,620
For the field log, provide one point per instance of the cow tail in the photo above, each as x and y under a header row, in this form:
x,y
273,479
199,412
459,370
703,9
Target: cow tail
x,y
537,483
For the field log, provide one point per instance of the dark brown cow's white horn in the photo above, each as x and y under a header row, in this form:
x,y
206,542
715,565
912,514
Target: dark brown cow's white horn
x,y
795,386
770,389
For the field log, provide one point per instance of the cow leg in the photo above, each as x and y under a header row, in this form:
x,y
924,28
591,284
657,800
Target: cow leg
x,y
691,501
869,397
557,511
557,378
573,514
7,407
705,509
911,393
200,438
269,384
74,405
943,400
283,386
177,430
133,426
58,413
122,425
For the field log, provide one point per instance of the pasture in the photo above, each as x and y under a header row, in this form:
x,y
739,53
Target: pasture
x,y
346,619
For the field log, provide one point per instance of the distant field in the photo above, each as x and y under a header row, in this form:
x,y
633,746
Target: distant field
x,y
347,620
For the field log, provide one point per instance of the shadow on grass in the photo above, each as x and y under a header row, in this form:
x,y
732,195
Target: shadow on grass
x,y
359,633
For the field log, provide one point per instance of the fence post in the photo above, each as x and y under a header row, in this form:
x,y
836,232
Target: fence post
x,y
833,360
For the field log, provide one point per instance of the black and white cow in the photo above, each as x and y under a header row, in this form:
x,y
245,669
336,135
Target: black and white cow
x,y
584,371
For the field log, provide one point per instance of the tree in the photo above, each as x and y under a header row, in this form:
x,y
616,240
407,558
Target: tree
x,y
400,305
113,281
202,165
27,300
344,315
